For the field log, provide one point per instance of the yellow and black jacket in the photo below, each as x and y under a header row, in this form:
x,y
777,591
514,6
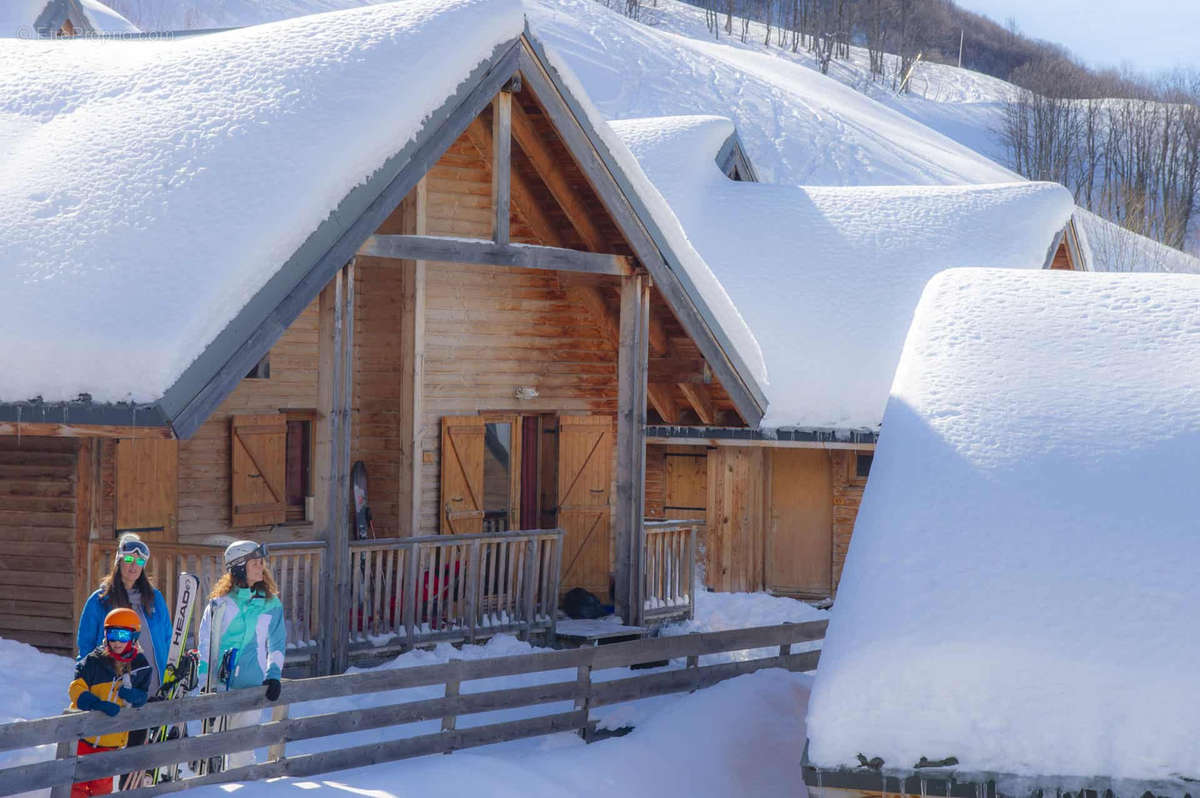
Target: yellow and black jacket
x,y
99,673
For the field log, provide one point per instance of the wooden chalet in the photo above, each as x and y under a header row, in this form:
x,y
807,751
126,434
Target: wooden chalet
x,y
779,503
482,323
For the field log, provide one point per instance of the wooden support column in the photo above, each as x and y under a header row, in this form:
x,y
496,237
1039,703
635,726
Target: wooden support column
x,y
412,359
336,381
632,375
501,163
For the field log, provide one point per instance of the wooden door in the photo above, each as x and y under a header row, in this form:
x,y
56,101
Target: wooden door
x,y
147,476
585,459
799,558
462,475
687,483
258,450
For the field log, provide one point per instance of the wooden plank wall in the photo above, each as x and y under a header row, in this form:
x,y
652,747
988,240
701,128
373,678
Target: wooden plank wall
x,y
656,481
204,461
738,490
492,329
847,496
37,533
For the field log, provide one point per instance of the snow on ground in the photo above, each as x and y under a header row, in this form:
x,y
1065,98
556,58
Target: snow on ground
x,y
743,736
799,126
844,266
1020,590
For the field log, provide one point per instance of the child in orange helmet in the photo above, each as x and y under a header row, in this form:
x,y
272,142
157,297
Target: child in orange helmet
x,y
113,675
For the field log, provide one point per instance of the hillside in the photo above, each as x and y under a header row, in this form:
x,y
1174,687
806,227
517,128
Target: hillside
x,y
798,126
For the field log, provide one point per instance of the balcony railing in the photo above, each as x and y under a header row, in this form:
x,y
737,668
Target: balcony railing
x,y
453,587
669,571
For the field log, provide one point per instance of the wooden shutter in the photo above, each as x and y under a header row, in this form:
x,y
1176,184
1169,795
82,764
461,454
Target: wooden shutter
x,y
585,459
258,450
462,475
147,477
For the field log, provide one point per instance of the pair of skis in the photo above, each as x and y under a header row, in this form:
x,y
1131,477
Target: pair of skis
x,y
178,678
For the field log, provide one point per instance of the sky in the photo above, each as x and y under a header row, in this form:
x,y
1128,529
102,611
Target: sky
x,y
1148,35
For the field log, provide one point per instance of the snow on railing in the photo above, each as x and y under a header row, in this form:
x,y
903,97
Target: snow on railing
x,y
453,587
669,570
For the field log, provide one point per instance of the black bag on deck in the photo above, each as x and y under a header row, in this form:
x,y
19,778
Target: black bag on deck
x,y
579,603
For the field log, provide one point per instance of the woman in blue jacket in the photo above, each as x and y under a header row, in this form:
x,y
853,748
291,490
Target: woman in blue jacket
x,y
128,586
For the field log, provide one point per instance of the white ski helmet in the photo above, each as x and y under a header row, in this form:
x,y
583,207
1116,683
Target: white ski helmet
x,y
239,551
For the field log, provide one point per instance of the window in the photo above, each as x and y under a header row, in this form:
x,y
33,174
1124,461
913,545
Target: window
x,y
298,467
261,370
860,467
497,476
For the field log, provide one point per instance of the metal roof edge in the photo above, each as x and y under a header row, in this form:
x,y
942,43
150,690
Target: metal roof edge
x,y
84,412
952,782
859,435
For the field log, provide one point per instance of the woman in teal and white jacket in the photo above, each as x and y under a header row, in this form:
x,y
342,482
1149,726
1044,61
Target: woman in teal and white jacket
x,y
242,636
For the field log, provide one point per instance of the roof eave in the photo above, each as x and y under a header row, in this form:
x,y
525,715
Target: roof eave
x,y
663,264
256,328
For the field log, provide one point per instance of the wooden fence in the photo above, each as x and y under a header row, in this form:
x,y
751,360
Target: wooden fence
x,y
581,693
453,587
669,571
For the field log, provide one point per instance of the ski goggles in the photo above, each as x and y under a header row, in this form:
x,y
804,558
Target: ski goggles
x,y
119,634
135,558
135,547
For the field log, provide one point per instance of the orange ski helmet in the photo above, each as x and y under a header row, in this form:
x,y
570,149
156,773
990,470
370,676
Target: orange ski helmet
x,y
124,618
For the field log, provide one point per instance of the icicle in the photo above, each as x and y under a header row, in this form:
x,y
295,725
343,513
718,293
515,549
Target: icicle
x,y
924,788
884,777
19,426
820,784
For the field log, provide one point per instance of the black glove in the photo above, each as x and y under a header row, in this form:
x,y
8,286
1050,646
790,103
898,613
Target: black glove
x,y
273,688
133,696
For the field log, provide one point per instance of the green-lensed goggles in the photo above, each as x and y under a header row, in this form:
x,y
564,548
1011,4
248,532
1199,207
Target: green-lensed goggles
x,y
141,561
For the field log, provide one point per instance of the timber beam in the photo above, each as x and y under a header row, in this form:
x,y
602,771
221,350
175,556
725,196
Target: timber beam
x,y
700,398
490,253
83,430
524,199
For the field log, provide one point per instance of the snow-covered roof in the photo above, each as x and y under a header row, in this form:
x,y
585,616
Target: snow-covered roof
x,y
163,195
827,278
151,188
26,19
1111,248
1020,590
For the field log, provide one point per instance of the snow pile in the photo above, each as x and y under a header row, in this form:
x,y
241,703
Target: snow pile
x,y
37,688
827,278
1020,591
150,188
178,15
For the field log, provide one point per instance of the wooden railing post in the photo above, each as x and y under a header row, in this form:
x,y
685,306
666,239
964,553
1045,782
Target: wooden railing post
x,y
528,605
473,560
583,699
411,592
278,751
453,684
66,750
690,573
